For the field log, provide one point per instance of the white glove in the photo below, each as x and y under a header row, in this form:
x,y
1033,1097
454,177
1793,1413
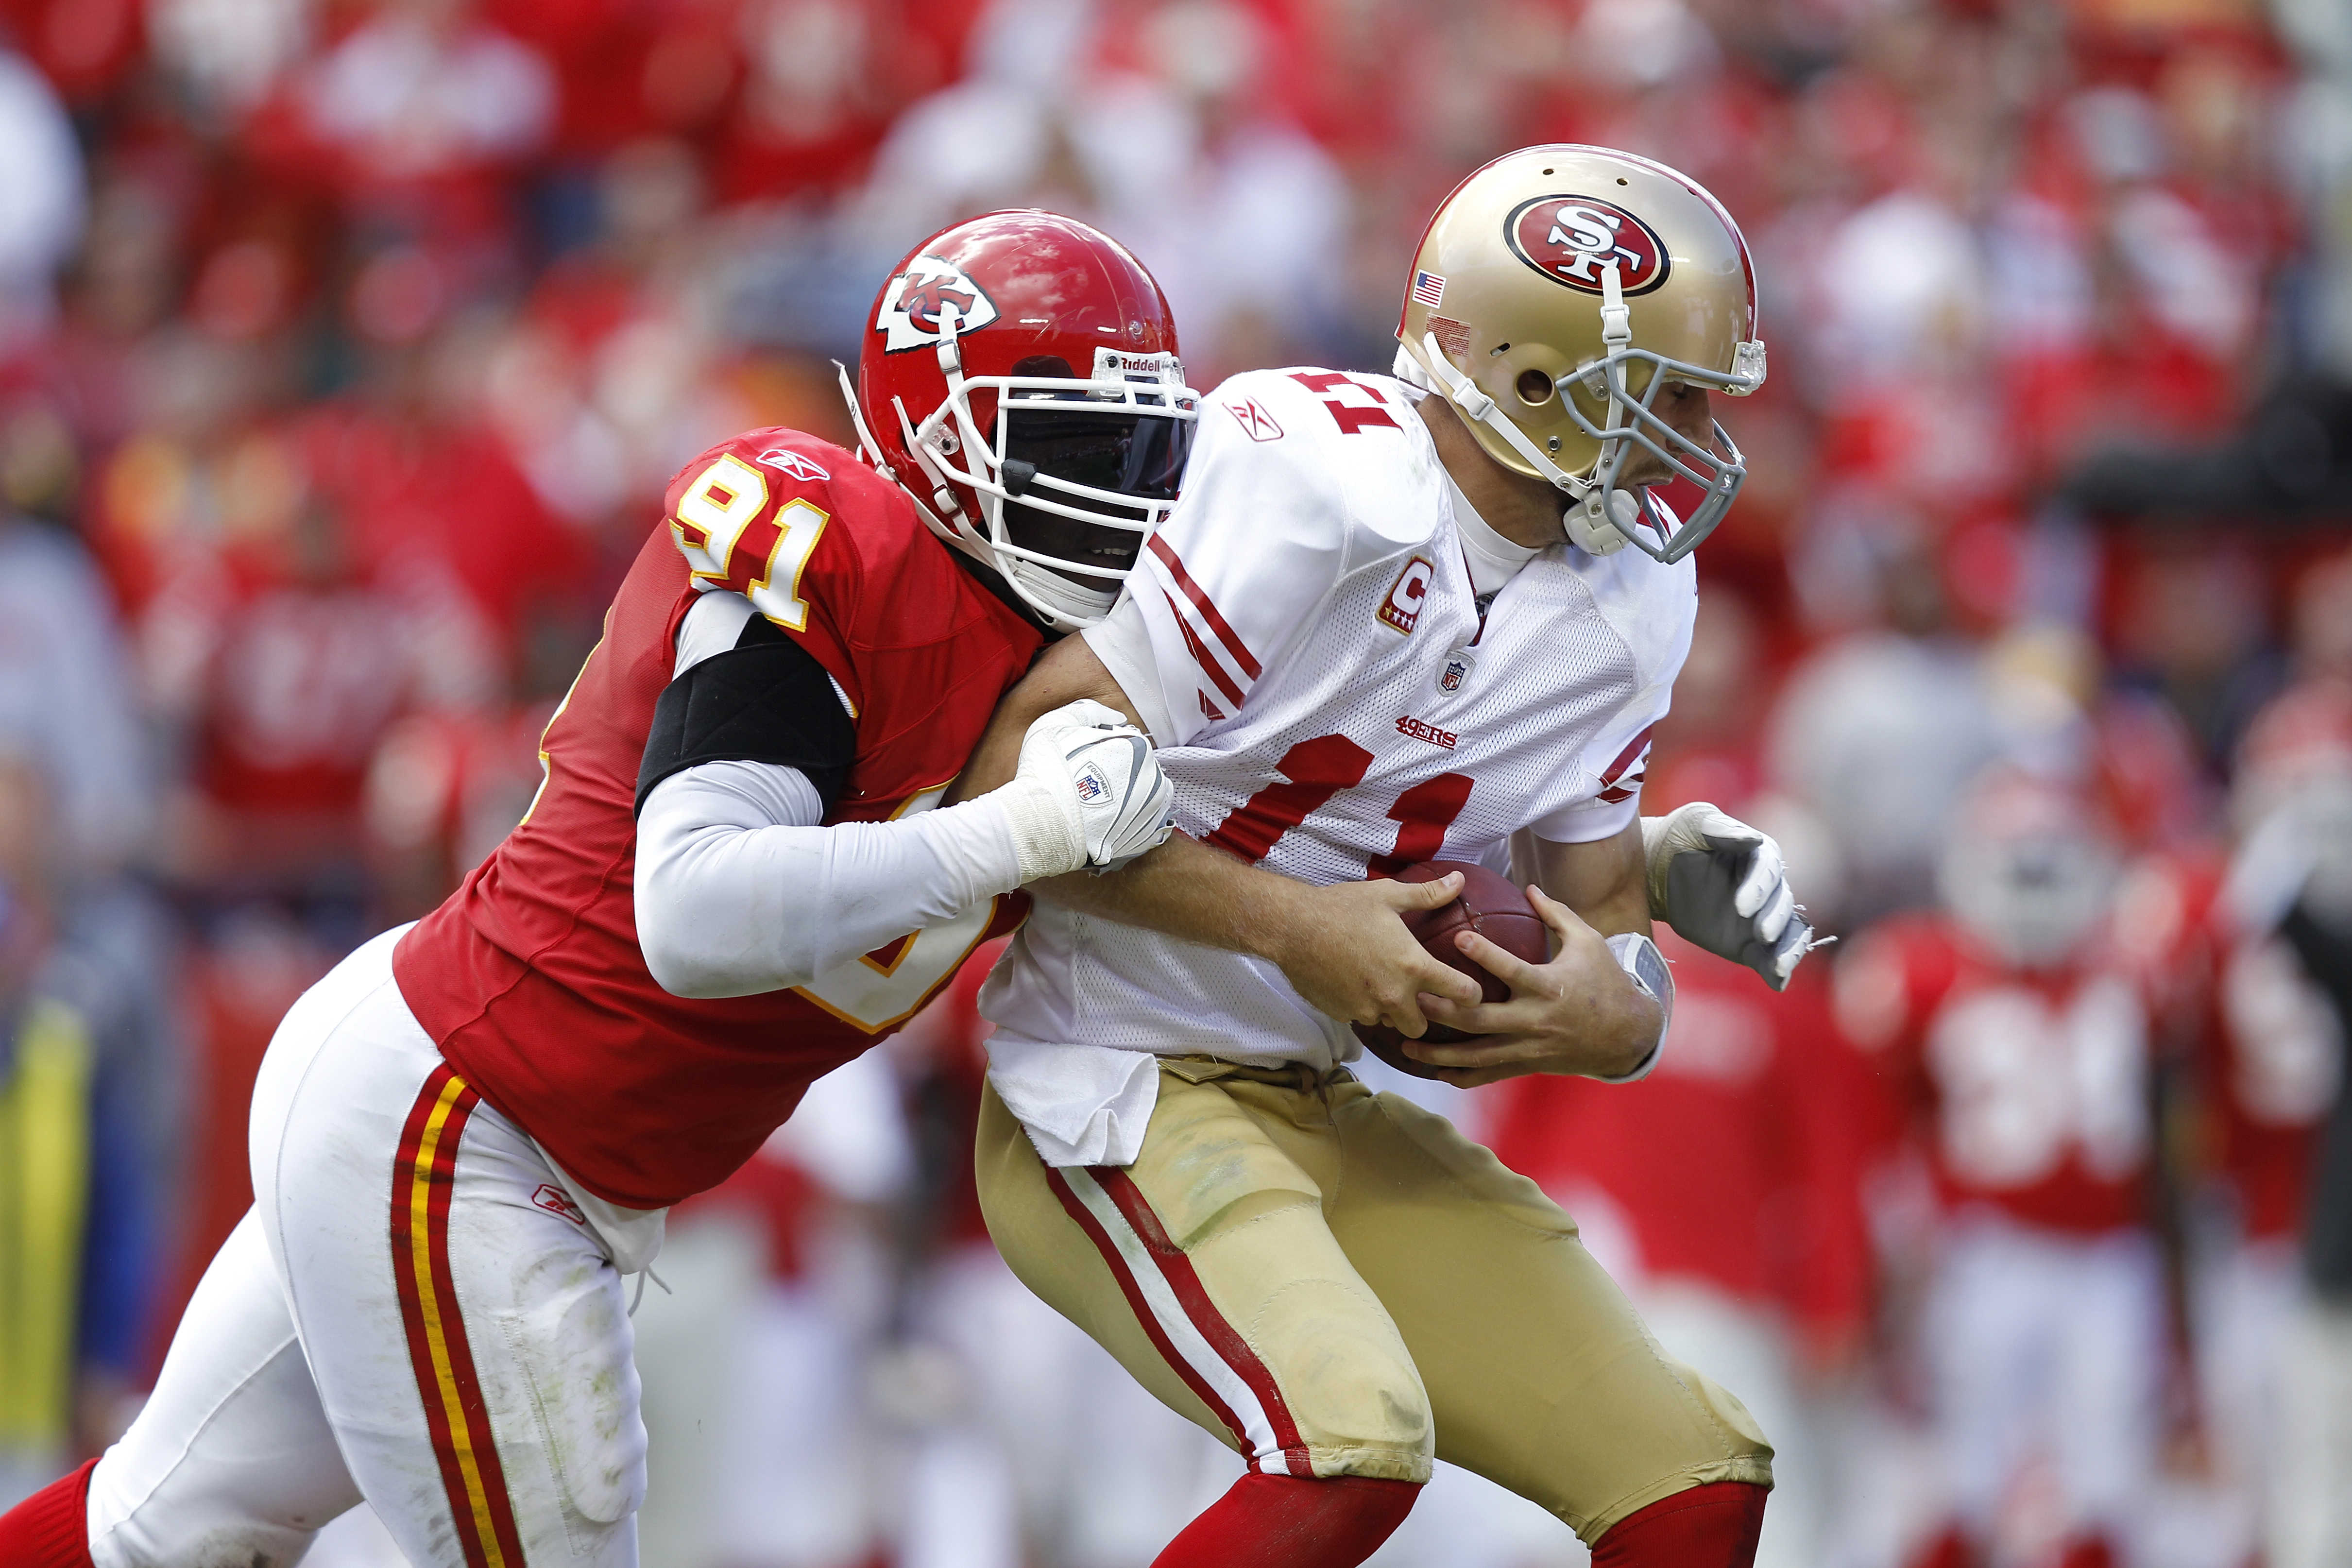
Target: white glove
x,y
1721,885
1088,792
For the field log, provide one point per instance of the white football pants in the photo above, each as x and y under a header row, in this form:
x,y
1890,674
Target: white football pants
x,y
2047,1353
414,1312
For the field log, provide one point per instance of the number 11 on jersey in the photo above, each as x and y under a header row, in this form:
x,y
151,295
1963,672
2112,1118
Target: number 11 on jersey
x,y
1312,773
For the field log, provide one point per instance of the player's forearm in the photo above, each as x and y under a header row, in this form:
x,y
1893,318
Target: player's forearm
x,y
1605,881
740,892
1186,890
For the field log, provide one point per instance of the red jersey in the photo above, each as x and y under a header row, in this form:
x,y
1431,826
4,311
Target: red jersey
x,y
1735,1161
2264,1043
529,977
2028,1088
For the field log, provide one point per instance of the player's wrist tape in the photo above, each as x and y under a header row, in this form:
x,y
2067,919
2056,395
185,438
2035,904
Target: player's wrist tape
x,y
1049,838
1639,957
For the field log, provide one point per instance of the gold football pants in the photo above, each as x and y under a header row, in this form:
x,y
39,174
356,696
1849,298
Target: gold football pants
x,y
1336,1282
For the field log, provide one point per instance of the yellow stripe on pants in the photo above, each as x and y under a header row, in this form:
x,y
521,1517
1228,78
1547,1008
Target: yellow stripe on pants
x,y
43,1207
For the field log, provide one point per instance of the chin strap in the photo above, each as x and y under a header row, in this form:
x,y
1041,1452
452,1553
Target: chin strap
x,y
1589,528
1463,393
868,448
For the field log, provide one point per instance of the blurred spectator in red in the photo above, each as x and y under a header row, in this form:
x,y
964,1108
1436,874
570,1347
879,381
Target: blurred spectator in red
x,y
1168,136
414,116
2282,1346
1876,731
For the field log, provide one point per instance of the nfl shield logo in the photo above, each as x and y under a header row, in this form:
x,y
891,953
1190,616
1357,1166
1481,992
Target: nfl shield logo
x,y
1458,670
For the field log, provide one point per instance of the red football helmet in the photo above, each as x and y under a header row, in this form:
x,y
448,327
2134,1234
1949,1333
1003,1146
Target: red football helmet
x,y
1019,380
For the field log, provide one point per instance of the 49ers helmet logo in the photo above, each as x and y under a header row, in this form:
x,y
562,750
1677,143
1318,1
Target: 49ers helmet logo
x,y
924,301
1569,239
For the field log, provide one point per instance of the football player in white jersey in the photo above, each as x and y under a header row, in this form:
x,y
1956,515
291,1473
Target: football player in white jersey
x,y
1391,620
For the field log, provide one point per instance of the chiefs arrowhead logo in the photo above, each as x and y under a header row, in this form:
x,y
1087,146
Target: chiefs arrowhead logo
x,y
926,299
1569,239
784,460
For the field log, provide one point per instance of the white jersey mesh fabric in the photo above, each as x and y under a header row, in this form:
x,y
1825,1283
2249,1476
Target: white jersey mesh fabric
x,y
1338,705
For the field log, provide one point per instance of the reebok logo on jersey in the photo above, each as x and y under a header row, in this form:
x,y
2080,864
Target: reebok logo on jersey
x,y
801,469
1401,611
926,300
556,1200
1409,725
1255,422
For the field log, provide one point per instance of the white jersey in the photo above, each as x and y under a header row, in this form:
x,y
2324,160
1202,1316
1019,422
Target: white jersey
x,y
1336,705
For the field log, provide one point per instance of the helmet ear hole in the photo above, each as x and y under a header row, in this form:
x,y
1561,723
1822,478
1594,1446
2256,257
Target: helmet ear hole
x,y
1534,387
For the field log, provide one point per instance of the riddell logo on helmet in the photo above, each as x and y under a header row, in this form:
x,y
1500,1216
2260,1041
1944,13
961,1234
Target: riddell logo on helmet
x,y
925,301
1570,239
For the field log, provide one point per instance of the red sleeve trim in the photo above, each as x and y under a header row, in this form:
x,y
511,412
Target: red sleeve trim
x,y
1201,656
1208,613
1620,785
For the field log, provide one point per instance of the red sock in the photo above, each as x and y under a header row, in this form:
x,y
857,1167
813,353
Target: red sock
x,y
1951,1549
1292,1521
1712,1526
2088,1552
51,1527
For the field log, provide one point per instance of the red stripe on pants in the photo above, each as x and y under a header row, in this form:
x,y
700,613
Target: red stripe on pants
x,y
1193,1296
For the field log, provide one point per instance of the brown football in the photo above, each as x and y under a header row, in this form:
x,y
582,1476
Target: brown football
x,y
1490,905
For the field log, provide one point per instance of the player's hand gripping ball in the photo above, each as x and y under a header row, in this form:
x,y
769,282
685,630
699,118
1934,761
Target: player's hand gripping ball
x,y
1495,908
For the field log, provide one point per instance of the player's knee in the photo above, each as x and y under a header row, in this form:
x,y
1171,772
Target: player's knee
x,y
1348,1382
1711,1526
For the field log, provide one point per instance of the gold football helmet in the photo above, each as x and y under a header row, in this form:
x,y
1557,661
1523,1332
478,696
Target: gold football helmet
x,y
1556,290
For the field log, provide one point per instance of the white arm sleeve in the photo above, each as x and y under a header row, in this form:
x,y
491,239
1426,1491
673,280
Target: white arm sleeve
x,y
739,891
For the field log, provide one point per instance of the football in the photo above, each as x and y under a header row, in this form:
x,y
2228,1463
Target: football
x,y
1491,905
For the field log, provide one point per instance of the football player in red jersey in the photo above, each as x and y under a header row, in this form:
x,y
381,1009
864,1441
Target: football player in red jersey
x,y
731,881
2013,1027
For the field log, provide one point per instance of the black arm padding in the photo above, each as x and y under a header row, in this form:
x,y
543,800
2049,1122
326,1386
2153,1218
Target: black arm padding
x,y
766,699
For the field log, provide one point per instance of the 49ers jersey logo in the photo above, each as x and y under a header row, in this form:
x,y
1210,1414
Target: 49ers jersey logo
x,y
1569,239
927,300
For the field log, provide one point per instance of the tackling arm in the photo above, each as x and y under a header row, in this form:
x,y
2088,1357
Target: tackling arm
x,y
740,889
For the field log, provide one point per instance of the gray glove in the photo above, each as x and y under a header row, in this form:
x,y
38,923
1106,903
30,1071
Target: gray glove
x,y
1721,885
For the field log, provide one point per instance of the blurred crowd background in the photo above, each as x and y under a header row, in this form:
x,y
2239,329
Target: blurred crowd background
x,y
346,345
